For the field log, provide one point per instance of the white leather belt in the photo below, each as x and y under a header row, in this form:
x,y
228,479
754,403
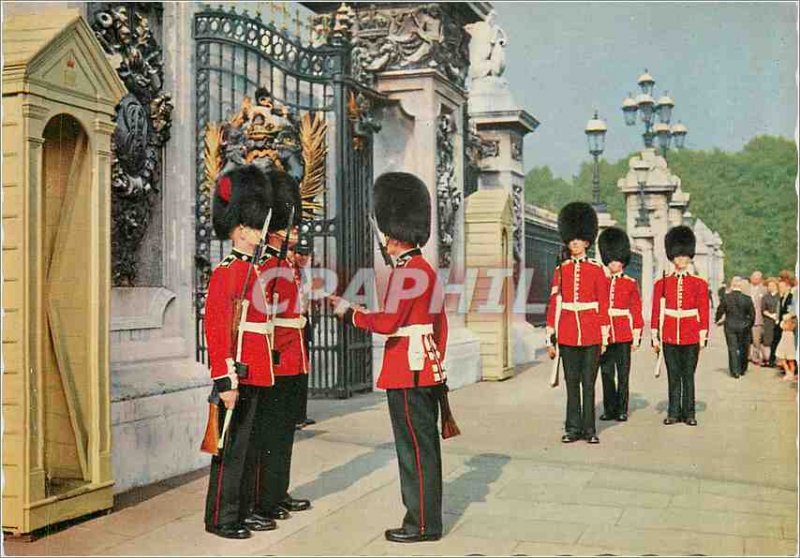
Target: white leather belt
x,y
687,313
293,323
264,328
579,306
416,349
619,312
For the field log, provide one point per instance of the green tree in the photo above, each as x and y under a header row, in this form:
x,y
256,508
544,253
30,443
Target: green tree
x,y
748,197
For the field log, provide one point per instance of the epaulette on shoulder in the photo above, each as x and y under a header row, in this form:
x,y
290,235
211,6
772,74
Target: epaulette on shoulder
x,y
227,261
703,279
265,258
595,262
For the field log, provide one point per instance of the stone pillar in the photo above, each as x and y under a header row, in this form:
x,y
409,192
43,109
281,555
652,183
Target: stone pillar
x,y
424,134
644,245
501,124
678,207
159,390
658,188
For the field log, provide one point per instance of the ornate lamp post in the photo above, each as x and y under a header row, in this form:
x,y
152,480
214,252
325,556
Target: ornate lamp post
x,y
655,115
596,136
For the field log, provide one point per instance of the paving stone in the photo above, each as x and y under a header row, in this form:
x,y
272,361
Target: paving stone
x,y
661,541
551,549
760,546
647,482
520,529
750,491
452,544
727,503
546,511
705,521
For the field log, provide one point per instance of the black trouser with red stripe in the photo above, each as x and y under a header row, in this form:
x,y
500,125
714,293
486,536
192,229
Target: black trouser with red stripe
x,y
415,417
269,472
580,373
681,361
229,489
616,361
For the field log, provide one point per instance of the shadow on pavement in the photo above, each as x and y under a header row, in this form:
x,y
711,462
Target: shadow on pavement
x,y
472,485
347,474
635,403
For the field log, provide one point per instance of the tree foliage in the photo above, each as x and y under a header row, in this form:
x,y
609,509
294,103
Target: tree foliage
x,y
748,197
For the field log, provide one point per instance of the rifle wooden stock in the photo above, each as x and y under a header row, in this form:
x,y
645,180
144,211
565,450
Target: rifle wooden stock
x,y
554,372
449,427
210,442
660,359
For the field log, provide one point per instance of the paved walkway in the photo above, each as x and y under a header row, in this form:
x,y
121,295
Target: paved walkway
x,y
727,487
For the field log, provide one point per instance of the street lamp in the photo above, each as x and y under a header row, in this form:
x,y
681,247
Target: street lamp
x,y
596,136
651,110
641,169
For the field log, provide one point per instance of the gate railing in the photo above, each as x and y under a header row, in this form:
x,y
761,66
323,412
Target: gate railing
x,y
235,55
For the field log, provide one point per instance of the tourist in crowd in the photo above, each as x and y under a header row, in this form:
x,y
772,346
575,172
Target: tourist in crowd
x,y
757,292
737,310
785,301
786,350
769,311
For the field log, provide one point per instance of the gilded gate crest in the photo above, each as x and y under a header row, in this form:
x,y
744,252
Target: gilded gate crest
x,y
269,135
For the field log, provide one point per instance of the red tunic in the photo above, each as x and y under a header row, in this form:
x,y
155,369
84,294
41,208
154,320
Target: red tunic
x,y
427,348
584,306
281,281
686,309
625,310
225,287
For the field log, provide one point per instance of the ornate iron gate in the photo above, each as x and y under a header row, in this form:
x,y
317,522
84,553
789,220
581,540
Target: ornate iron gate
x,y
308,117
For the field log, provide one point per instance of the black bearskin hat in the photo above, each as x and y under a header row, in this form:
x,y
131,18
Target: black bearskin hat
x,y
679,241
614,246
577,220
286,194
242,196
403,207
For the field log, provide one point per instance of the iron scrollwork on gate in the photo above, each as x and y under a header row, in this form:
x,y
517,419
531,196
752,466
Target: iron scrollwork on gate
x,y
264,98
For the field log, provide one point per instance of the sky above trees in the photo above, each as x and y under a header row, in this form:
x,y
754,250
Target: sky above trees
x,y
729,67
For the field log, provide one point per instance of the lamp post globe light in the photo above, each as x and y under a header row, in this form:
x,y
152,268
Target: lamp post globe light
x,y
655,115
596,137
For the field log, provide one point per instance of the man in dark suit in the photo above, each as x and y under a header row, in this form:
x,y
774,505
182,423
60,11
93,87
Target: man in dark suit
x,y
737,310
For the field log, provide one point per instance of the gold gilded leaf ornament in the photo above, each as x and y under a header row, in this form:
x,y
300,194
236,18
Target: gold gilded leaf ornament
x,y
212,155
313,132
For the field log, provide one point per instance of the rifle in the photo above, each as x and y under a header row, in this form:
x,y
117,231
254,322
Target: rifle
x,y
662,305
557,359
214,440
274,298
387,259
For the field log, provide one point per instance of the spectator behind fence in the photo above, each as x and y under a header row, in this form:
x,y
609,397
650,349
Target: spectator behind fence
x,y
737,312
757,292
769,311
786,350
785,301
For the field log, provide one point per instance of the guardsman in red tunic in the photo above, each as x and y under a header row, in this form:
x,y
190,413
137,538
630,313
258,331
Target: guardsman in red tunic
x,y
684,330
241,203
414,321
582,319
625,317
280,283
